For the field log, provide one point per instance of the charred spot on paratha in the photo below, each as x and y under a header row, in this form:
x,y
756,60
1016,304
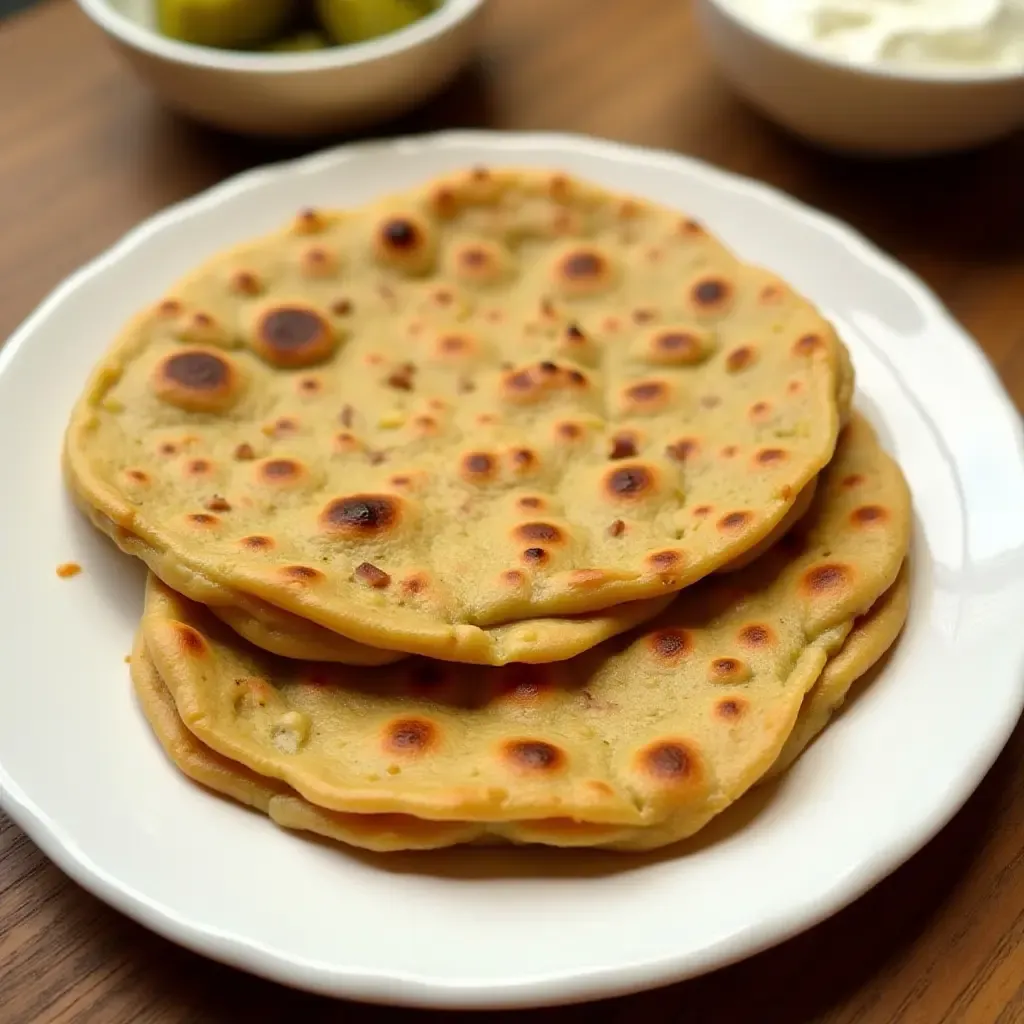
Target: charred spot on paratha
x,y
247,283
670,761
480,262
362,516
770,457
479,467
827,579
666,560
257,542
190,641
530,502
711,295
199,468
678,346
623,446
756,635
405,241
318,261
647,396
456,345
547,533
524,461
583,270
293,335
529,755
568,430
683,449
808,345
728,670
410,736
741,358
731,709
280,472
631,482
302,574
197,380
869,515
669,644
535,555
734,522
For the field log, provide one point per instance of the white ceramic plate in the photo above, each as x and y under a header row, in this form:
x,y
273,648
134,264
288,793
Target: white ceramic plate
x,y
81,773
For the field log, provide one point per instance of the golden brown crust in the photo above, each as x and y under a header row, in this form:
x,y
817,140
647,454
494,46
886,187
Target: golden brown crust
x,y
871,637
656,733
511,383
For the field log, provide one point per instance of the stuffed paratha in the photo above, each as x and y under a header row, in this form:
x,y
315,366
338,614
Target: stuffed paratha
x,y
871,637
667,725
502,397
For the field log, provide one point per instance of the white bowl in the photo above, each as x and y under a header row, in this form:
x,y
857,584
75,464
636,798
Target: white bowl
x,y
294,94
870,109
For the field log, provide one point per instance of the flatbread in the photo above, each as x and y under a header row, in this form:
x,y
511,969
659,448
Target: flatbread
x,y
871,637
503,397
205,766
532,641
667,725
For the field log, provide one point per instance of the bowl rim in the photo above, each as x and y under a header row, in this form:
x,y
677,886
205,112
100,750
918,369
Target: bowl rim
x,y
446,17
926,74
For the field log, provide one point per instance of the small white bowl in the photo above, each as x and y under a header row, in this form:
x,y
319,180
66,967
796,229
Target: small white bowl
x,y
874,110
294,94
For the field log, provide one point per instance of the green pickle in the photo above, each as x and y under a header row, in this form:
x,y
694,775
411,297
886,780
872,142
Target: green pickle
x,y
285,26
355,21
225,24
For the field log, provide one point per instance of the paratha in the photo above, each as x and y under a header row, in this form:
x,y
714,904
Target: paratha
x,y
532,641
535,640
505,396
668,724
871,637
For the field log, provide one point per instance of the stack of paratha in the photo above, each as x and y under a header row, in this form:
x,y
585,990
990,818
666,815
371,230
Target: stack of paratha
x,y
506,509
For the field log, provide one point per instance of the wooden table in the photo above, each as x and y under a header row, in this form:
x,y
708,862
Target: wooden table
x,y
85,153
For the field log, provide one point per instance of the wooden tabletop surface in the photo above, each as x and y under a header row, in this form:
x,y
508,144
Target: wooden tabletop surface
x,y
86,152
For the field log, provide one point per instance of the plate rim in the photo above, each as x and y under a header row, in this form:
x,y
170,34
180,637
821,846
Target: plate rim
x,y
397,988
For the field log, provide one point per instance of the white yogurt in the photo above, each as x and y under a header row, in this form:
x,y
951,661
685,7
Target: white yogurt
x,y
978,34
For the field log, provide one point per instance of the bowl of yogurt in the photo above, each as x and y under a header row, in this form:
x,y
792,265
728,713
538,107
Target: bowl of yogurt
x,y
876,77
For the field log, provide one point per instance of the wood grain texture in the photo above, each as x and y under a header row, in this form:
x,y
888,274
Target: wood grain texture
x,y
85,153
